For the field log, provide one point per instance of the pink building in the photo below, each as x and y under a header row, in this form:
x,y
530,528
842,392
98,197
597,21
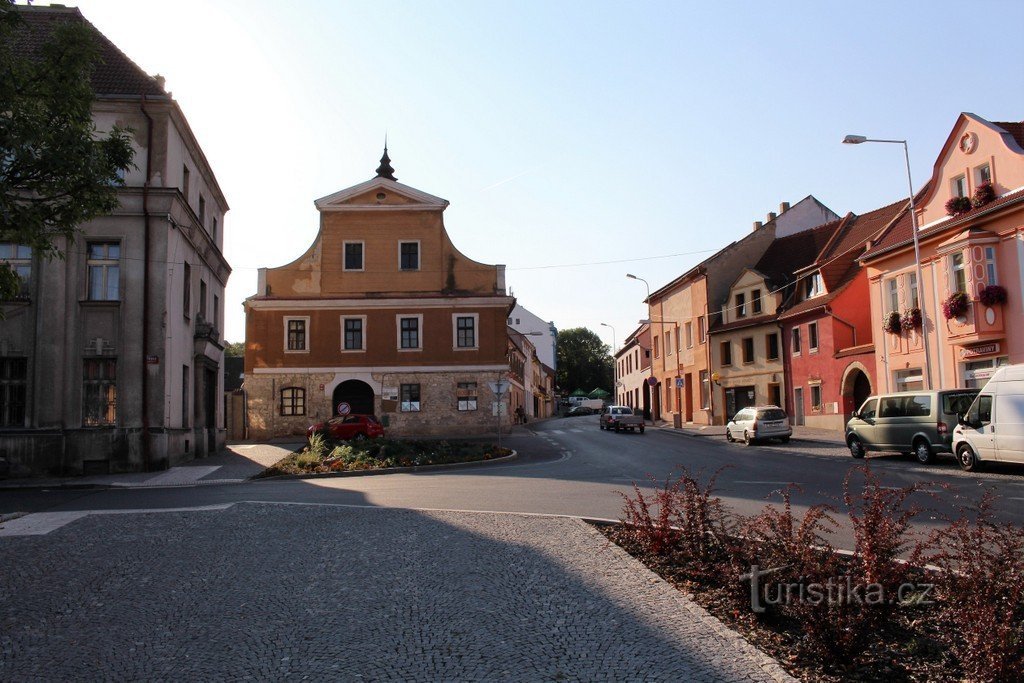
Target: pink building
x,y
971,232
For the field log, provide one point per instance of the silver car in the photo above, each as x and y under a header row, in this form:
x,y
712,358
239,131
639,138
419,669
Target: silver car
x,y
759,422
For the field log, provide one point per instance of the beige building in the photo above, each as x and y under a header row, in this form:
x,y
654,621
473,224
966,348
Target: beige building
x,y
746,341
111,360
382,314
632,370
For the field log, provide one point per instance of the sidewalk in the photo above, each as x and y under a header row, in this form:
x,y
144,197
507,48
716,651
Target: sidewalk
x,y
800,433
236,463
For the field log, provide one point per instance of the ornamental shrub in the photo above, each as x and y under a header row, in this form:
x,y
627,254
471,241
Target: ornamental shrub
x,y
911,319
983,194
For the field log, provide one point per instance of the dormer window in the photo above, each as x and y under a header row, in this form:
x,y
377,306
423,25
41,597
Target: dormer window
x,y
741,305
813,286
755,301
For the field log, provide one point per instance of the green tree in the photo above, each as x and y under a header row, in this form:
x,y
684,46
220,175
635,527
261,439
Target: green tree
x,y
56,170
584,361
234,349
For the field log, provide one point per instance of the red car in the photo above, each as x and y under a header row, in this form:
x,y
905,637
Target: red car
x,y
350,427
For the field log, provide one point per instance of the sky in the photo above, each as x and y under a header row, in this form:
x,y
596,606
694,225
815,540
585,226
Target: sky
x,y
638,137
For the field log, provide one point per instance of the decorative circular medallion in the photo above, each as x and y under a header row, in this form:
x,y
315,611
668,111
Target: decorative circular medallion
x,y
990,316
968,143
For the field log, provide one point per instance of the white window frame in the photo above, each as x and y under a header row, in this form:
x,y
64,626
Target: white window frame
x,y
979,174
462,404
106,263
991,268
816,389
419,257
286,320
455,331
958,186
342,341
410,406
344,256
892,294
815,285
689,334
915,297
398,331
953,270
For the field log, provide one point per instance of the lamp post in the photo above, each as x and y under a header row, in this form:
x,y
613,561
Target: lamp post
x,y
860,139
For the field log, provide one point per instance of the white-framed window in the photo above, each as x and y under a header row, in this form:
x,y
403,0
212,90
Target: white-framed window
x,y
983,174
957,272
104,271
353,255
689,335
410,398
911,379
410,332
465,395
991,276
19,258
812,337
977,373
409,255
915,301
815,397
668,342
892,291
702,329
296,334
958,186
464,331
293,401
353,333
813,286
796,341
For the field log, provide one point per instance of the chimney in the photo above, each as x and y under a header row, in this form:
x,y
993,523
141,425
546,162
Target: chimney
x,y
160,80
771,217
783,207
757,225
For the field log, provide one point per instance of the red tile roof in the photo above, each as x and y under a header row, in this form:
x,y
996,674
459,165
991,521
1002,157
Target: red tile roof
x,y
742,322
1016,129
786,255
902,234
115,74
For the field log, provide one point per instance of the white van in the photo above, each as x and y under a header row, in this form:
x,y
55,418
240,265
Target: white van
x,y
993,428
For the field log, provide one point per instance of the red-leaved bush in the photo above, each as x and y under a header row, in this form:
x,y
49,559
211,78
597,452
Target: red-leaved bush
x,y
980,588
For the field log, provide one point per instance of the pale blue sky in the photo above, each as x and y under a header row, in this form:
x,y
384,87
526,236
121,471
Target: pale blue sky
x,y
567,132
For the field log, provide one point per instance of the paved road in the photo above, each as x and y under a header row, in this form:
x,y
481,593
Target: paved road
x,y
570,467
270,591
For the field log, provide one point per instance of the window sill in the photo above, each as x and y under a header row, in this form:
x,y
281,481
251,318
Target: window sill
x,y
410,350
353,350
465,348
99,303
296,350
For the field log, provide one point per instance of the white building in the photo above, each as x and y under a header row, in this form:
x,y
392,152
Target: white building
x,y
525,322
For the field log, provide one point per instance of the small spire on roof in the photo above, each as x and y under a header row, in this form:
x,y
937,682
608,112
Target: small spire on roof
x,y
385,170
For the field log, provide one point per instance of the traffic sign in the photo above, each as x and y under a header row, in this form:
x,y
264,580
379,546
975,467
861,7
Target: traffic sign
x,y
499,387
344,408
680,382
652,380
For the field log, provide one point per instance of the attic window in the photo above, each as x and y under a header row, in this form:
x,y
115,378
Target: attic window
x,y
381,196
813,286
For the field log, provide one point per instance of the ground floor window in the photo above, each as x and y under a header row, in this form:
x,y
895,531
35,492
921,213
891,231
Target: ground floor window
x,y
466,395
705,390
293,401
13,379
909,380
977,372
410,398
815,397
99,392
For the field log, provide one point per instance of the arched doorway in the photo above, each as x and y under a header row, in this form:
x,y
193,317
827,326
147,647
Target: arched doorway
x,y
356,393
856,389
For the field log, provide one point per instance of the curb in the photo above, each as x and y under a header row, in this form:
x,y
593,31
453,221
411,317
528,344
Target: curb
x,y
390,470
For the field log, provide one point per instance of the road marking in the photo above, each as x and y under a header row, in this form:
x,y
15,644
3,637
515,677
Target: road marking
x,y
557,431
42,523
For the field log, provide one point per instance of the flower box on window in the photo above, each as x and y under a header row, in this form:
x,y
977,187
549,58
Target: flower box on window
x,y
983,194
992,295
955,305
911,319
891,323
958,205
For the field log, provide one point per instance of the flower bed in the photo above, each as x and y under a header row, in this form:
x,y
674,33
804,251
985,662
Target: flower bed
x,y
322,455
826,615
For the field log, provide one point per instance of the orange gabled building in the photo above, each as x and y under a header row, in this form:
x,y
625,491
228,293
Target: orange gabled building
x,y
381,313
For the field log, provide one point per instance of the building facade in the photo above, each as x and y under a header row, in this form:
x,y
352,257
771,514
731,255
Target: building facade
x,y
111,359
682,312
543,333
970,218
381,313
633,369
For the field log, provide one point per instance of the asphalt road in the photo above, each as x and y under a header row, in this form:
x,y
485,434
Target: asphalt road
x,y
570,467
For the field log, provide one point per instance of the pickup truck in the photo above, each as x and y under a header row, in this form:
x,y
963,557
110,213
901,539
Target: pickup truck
x,y
619,418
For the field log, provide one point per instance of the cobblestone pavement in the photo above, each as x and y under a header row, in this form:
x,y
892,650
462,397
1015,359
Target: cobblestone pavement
x,y
268,591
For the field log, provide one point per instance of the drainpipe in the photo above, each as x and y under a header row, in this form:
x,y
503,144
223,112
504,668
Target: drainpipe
x,y
828,309
145,288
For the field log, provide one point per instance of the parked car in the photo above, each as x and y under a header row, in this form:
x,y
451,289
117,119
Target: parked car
x,y
992,429
349,427
759,422
918,422
579,410
619,418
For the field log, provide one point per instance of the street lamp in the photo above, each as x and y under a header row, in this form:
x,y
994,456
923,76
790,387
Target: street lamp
x,y
860,139
614,346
